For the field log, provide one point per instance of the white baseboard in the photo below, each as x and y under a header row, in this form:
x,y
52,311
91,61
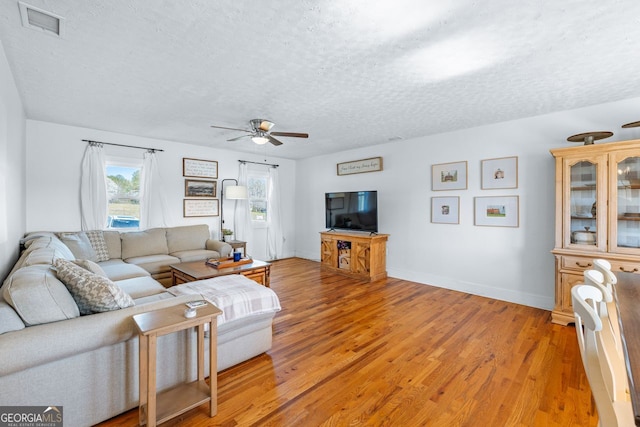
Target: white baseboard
x,y
509,295
480,289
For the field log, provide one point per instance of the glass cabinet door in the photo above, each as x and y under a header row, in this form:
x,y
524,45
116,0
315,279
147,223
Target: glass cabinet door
x,y
585,209
583,195
625,177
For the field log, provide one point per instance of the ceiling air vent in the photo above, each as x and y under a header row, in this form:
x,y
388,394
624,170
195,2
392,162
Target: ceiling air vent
x,y
41,20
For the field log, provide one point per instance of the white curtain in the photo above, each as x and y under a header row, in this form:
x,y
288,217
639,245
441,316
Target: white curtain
x,y
242,215
275,235
153,204
93,188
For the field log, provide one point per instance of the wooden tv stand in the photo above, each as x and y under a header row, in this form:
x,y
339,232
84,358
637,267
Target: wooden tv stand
x,y
358,255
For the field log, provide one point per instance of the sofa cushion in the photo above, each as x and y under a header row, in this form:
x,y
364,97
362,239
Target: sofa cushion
x,y
79,245
99,244
154,264
187,237
92,293
49,240
9,319
139,287
90,266
38,296
142,243
117,270
223,248
114,245
195,255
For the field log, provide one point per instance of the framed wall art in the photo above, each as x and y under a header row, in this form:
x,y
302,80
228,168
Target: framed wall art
x,y
198,188
501,211
500,173
449,176
445,210
201,207
196,168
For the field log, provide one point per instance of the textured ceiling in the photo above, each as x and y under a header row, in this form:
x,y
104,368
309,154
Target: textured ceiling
x,y
350,73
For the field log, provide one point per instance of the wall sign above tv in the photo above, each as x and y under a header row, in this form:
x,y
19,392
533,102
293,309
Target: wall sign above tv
x,y
373,164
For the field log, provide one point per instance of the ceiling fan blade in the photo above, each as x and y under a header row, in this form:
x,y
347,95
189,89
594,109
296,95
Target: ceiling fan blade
x,y
222,127
238,137
291,134
273,140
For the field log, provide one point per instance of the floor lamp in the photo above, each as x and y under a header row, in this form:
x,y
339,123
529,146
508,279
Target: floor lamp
x,y
233,192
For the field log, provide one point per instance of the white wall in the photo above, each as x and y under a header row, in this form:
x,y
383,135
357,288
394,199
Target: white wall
x,y
12,168
54,154
512,264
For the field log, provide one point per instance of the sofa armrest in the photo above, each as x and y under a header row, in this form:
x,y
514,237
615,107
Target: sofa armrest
x,y
223,248
37,345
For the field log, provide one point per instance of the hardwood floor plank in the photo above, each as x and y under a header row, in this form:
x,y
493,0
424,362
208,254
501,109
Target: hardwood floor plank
x,y
394,352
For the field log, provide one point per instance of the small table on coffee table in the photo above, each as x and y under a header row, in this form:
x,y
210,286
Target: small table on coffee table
x,y
184,272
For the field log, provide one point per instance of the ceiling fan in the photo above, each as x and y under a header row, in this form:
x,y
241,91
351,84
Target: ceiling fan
x,y
260,132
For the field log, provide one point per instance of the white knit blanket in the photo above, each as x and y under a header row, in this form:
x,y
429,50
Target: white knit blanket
x,y
234,294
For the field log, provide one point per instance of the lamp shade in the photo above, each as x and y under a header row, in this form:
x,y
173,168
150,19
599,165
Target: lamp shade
x,y
260,140
235,192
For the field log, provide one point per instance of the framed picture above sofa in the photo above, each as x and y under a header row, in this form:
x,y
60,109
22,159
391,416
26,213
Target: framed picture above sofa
x,y
197,168
199,188
201,207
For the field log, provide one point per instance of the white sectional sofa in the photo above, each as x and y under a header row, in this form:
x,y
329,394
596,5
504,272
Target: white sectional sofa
x,y
52,355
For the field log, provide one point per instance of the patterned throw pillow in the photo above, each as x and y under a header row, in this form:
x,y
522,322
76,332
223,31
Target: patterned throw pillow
x,y
92,293
96,237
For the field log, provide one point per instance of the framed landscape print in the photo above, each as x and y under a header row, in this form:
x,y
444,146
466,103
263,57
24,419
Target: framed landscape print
x,y
500,173
502,211
198,188
445,210
449,176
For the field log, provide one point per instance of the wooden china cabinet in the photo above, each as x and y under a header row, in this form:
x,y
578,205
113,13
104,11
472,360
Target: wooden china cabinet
x,y
597,214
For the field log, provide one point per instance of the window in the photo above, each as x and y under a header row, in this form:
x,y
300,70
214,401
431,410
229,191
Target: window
x,y
257,189
123,191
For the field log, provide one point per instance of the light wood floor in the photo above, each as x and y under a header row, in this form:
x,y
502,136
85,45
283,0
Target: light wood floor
x,y
398,353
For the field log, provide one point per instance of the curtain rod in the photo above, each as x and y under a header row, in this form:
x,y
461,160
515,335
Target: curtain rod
x,y
258,163
121,145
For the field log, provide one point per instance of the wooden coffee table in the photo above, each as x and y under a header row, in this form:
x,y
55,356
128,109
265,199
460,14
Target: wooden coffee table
x,y
199,270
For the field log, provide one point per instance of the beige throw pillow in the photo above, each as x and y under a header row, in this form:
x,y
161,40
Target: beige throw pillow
x,y
79,245
92,293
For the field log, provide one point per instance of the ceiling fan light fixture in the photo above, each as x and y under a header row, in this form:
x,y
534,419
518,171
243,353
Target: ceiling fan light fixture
x,y
259,139
266,125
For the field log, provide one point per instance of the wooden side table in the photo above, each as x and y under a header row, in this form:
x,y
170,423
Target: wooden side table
x,y
237,244
154,409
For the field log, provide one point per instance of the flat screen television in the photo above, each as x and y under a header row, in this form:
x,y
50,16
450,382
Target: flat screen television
x,y
352,210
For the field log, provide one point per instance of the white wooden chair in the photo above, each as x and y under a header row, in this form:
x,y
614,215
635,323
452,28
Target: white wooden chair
x,y
610,335
609,281
604,267
598,360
